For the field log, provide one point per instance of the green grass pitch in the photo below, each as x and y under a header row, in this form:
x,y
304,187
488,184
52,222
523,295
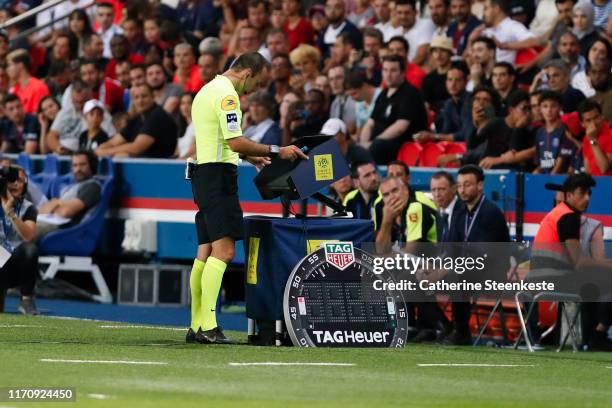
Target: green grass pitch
x,y
201,376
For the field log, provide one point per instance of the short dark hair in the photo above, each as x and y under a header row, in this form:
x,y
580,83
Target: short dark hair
x,y
57,67
105,4
503,5
92,159
563,1
398,59
353,38
355,80
257,3
406,2
373,32
400,39
444,174
10,98
97,64
253,60
487,41
78,85
357,164
579,180
551,96
492,93
20,56
588,105
472,169
509,68
516,97
460,66
399,163
138,66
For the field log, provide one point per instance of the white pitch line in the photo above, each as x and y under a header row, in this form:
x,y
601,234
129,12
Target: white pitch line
x,y
10,326
142,327
475,365
272,363
99,396
58,360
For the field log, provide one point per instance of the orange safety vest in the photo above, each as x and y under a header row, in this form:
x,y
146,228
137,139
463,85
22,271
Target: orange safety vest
x,y
546,245
548,227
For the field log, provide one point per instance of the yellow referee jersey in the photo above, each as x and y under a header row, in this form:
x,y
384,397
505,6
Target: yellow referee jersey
x,y
216,118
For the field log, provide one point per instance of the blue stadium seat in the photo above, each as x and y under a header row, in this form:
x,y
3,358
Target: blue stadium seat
x,y
70,249
25,162
50,172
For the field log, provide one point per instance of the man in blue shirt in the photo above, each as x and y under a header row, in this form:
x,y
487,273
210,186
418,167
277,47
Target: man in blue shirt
x,y
20,131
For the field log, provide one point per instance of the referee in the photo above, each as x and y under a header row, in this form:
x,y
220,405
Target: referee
x,y
219,142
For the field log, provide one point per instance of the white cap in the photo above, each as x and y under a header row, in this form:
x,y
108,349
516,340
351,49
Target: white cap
x,y
91,105
333,126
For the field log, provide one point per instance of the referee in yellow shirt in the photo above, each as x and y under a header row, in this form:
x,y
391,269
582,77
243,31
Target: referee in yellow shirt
x,y
219,142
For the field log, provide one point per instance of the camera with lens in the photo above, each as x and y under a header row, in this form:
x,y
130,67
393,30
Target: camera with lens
x,y
7,175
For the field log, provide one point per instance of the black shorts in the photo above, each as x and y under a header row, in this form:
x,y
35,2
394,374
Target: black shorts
x,y
215,191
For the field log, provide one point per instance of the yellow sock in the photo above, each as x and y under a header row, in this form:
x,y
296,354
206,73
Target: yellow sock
x,y
211,284
195,285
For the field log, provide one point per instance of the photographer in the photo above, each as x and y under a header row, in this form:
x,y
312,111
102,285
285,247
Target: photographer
x,y
18,255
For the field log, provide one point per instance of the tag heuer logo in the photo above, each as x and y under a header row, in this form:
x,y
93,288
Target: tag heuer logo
x,y
340,254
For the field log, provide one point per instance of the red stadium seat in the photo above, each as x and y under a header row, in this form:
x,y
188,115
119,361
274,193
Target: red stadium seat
x,y
410,153
430,154
454,148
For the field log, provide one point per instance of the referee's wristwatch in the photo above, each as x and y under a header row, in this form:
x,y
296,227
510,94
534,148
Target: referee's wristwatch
x,y
274,150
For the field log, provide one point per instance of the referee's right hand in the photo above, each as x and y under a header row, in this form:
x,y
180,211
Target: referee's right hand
x,y
291,153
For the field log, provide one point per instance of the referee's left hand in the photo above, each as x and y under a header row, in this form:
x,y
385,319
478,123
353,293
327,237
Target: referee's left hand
x,y
259,162
291,153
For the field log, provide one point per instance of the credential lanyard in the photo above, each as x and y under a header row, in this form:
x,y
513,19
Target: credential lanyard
x,y
469,229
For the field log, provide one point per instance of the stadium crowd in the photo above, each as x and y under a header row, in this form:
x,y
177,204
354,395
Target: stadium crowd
x,y
495,84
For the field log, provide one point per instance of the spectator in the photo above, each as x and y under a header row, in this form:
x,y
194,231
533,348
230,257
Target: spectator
x,y
208,64
342,106
569,52
197,18
63,136
259,125
319,22
369,60
58,78
152,26
305,59
553,148
462,25
346,43
79,27
298,29
107,30
322,84
558,75
278,18
352,152
382,10
122,74
186,147
335,11
132,29
536,113
583,19
454,121
138,75
603,11
440,16
166,95
600,51
246,41
108,91
341,188
93,50
66,8
363,14
393,121
63,50
503,29
75,200
414,74
364,96
94,136
514,146
484,107
276,44
18,229
29,90
482,62
22,129
503,82
47,112
279,76
289,99
307,121
120,52
434,83
150,133
597,147
360,201
601,79
417,31
187,73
